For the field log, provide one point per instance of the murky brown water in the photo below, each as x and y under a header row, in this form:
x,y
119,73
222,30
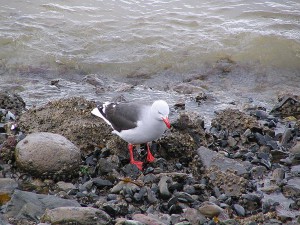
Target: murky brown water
x,y
153,43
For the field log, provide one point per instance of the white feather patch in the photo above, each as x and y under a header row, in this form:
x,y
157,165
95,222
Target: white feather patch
x,y
96,112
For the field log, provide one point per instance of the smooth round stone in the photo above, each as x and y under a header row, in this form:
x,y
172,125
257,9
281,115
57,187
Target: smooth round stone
x,y
43,154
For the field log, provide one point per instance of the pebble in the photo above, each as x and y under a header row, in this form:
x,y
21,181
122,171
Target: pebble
x,y
163,187
147,220
65,186
239,210
296,149
292,188
101,183
210,209
278,175
8,185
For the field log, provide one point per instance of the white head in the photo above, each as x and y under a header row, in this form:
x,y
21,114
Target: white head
x,y
160,109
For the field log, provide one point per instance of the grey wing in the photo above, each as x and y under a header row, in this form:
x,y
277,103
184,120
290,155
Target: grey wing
x,y
123,116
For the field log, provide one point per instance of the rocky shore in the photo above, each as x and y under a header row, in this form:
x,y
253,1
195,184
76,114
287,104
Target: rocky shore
x,y
60,165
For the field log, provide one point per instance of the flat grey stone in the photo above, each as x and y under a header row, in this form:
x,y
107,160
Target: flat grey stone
x,y
211,158
76,215
31,206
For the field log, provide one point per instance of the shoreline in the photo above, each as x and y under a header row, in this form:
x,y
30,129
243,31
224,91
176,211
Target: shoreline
x,y
239,165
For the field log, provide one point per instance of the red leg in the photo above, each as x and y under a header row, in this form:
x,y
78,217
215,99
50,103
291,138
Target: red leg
x,y
132,161
150,157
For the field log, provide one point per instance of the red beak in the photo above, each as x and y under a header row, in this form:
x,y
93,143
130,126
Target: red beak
x,y
167,122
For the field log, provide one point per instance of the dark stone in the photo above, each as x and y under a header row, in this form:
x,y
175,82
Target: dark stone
x,y
260,139
151,196
172,201
184,196
140,195
149,178
149,170
100,183
272,144
239,210
31,206
175,209
12,102
163,187
131,170
262,162
278,155
176,187
178,166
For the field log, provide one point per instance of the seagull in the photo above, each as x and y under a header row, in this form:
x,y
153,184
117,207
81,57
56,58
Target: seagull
x,y
136,123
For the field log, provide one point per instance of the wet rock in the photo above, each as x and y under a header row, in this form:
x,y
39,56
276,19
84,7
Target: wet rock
x,y
147,220
71,118
296,149
261,161
234,121
104,166
151,196
239,210
210,209
224,173
193,216
275,199
115,207
12,102
258,171
292,188
163,187
260,114
187,133
187,88
131,170
180,104
31,206
100,183
140,195
278,175
251,201
295,170
210,158
285,215
123,221
8,148
8,185
286,137
278,155
65,186
93,80
78,215
288,105
123,185
270,188
184,197
44,154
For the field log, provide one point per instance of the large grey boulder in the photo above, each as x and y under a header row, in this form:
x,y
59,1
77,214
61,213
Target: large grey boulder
x,y
31,206
46,154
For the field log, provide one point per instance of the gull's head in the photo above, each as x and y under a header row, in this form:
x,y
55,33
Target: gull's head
x,y
161,111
